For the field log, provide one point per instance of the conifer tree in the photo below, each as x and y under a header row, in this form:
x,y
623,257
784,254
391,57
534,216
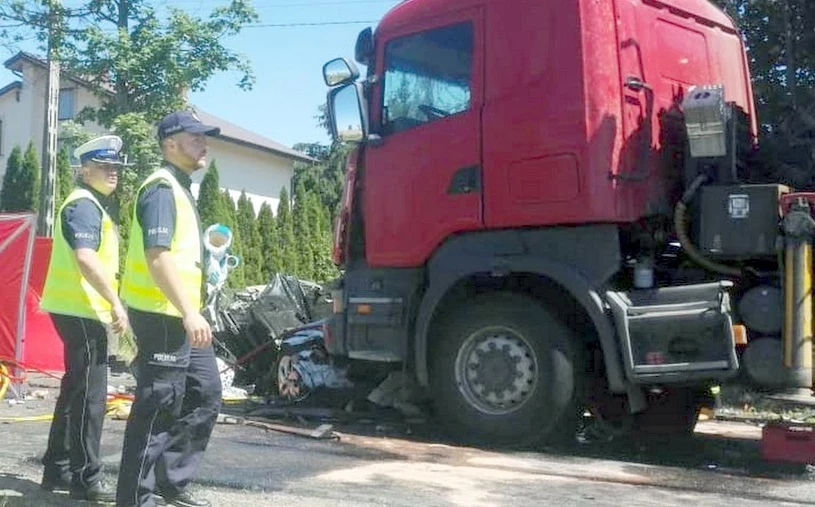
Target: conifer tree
x,y
324,269
65,178
28,186
303,235
267,227
13,168
250,236
227,216
285,232
209,197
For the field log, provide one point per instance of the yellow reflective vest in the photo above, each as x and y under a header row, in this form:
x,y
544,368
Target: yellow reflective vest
x,y
66,290
139,290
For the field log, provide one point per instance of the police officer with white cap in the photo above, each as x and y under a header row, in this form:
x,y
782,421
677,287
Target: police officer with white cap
x,y
178,391
81,293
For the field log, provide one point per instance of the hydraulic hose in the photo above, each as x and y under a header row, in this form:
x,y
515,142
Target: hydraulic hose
x,y
681,227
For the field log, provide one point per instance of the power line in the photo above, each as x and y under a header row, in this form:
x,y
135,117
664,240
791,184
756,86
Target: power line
x,y
111,31
317,23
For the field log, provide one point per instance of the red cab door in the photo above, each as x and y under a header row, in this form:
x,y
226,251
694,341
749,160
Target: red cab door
x,y
423,178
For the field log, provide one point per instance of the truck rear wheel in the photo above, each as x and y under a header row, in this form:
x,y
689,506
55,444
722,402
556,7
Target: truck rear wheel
x,y
503,372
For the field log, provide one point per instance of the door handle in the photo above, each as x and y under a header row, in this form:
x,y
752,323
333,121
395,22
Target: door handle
x,y
640,173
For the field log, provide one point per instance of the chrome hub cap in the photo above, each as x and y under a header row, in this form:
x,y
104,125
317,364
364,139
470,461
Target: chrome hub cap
x,y
496,370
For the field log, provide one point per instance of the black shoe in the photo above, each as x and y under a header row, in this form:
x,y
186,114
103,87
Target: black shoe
x,y
182,500
56,482
97,492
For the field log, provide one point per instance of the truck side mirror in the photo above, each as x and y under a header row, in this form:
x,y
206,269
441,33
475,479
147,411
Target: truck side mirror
x,y
339,71
348,117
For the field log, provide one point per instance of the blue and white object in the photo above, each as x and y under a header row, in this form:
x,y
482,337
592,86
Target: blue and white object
x,y
217,242
218,263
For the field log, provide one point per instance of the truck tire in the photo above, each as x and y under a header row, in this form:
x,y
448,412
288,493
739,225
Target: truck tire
x,y
503,372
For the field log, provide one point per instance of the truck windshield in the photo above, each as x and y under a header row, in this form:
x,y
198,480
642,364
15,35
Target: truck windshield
x,y
427,76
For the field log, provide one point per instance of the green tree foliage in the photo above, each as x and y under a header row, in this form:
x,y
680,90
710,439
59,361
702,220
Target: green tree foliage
x,y
133,58
270,244
780,39
321,241
324,177
285,235
250,241
303,238
227,210
65,178
140,64
228,217
14,166
210,203
23,190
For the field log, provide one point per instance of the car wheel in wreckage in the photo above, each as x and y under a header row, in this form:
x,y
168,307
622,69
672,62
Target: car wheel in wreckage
x,y
290,383
305,365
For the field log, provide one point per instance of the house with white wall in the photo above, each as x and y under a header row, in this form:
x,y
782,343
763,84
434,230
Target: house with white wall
x,y
246,161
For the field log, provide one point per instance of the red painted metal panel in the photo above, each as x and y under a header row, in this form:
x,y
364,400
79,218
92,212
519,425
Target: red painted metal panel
x,y
554,89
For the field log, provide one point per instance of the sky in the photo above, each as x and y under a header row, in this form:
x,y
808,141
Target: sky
x,y
287,62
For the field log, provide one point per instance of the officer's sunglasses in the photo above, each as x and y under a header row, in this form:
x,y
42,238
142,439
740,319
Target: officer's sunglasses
x,y
107,167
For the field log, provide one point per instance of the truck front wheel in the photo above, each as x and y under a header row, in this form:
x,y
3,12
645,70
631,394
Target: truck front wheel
x,y
503,372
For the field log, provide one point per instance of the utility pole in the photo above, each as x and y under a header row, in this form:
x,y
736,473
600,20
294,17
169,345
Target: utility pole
x,y
45,220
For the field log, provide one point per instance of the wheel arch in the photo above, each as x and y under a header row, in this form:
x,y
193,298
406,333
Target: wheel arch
x,y
531,275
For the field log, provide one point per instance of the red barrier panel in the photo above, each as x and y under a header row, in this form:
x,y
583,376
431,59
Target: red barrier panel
x,y
26,333
43,346
16,242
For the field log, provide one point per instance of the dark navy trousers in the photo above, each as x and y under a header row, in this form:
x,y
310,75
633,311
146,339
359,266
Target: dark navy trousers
x,y
178,397
76,430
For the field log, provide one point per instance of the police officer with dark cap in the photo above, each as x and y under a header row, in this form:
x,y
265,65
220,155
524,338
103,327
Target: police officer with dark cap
x,y
178,391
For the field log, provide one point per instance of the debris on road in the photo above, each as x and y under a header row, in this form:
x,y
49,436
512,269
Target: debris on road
x,y
251,323
321,432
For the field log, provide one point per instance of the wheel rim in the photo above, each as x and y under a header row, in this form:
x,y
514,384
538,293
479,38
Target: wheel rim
x,y
289,383
496,370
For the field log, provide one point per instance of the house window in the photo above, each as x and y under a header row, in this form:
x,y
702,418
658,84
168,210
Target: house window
x,y
67,104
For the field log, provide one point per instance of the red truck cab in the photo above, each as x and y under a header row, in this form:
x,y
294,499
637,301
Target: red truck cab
x,y
548,102
525,151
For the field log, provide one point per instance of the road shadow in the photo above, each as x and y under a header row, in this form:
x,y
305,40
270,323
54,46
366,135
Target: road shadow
x,y
19,491
711,453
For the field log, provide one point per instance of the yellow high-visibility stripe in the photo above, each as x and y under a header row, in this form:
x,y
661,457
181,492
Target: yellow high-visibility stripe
x,y
66,290
139,290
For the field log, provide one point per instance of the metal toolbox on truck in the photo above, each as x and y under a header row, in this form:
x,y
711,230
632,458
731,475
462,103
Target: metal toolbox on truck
x,y
740,221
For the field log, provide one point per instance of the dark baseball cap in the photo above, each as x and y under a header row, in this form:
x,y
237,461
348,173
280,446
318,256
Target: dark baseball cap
x,y
184,121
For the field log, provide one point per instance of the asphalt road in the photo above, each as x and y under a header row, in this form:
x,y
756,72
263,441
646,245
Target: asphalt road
x,y
365,467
